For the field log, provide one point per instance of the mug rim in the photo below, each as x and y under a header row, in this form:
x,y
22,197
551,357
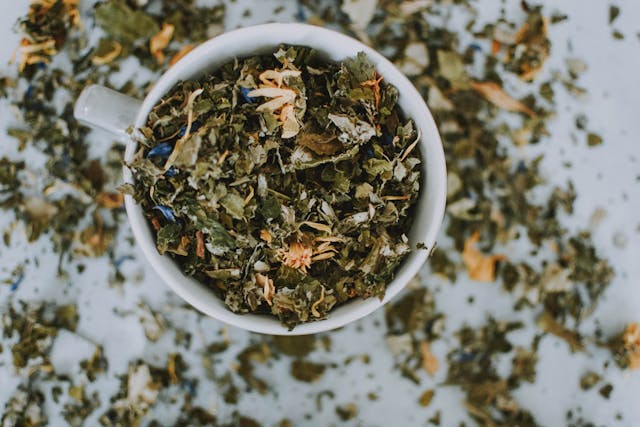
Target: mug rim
x,y
198,294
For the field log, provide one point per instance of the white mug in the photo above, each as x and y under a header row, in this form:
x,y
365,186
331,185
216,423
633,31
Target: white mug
x,y
102,107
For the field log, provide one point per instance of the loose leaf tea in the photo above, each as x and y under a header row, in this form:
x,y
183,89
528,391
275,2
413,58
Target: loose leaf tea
x,y
285,182
485,78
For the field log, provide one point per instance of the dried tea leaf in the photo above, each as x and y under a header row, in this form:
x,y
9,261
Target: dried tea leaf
x,y
299,346
593,139
605,390
353,131
347,412
124,23
306,371
415,60
324,145
426,397
360,12
547,323
453,69
589,380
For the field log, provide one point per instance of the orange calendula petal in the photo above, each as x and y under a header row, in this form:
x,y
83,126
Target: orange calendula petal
x,y
297,257
479,266
265,235
182,52
495,47
160,41
110,200
430,362
200,245
493,93
631,339
374,84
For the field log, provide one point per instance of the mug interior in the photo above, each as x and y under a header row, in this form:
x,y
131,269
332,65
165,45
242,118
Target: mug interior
x,y
261,39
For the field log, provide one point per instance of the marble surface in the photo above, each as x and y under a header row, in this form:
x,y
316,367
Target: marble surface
x,y
606,177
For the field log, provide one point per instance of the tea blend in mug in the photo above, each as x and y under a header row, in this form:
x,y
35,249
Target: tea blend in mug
x,y
283,181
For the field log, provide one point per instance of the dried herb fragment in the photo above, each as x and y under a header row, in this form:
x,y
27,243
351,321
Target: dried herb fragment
x,y
298,346
426,397
306,371
593,139
472,366
254,353
25,407
614,12
605,391
547,323
589,380
347,412
123,23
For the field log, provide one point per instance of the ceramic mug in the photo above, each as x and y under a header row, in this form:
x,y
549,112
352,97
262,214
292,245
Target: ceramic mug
x,y
102,107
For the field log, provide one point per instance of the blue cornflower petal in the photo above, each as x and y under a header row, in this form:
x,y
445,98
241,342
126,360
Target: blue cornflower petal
x,y
245,94
171,172
122,259
190,386
476,47
465,357
387,138
300,15
28,92
183,129
17,282
166,212
162,150
368,151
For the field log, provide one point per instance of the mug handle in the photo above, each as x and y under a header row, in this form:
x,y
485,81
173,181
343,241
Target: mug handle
x,y
105,108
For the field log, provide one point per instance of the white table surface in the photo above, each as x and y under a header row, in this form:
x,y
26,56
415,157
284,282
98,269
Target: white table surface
x,y
606,176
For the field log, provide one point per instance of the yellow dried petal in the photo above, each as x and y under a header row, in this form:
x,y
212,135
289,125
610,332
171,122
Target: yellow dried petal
x,y
268,288
281,97
290,125
271,77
